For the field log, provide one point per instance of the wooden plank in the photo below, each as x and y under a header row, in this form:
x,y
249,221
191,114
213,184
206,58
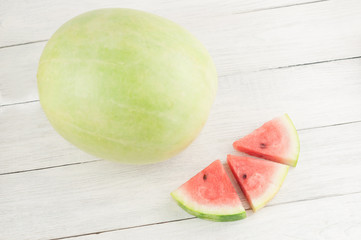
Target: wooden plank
x,y
101,196
18,70
244,102
331,218
237,42
28,141
24,21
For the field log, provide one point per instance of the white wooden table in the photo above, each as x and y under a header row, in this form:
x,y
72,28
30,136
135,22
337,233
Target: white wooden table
x,y
302,57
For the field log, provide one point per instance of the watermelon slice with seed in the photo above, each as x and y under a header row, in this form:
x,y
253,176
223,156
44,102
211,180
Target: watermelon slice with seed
x,y
259,179
210,195
276,140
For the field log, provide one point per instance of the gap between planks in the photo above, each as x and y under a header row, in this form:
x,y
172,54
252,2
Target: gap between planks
x,y
22,44
245,12
283,6
98,160
228,75
190,218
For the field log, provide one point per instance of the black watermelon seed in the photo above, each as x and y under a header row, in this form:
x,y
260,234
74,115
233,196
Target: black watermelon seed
x,y
204,177
262,145
244,176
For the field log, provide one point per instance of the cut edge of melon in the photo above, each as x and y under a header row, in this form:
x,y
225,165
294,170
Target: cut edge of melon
x,y
218,214
269,195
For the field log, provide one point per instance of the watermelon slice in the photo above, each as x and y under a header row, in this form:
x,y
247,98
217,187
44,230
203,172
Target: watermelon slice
x,y
277,140
210,195
259,179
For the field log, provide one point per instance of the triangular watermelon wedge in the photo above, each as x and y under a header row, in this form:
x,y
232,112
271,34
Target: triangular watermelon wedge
x,y
210,195
259,179
276,140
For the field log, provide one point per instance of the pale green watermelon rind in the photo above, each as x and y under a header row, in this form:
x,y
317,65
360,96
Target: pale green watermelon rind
x,y
238,213
267,197
296,141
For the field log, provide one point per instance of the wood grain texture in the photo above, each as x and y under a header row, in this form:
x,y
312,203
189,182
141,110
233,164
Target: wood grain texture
x,y
27,21
29,142
331,219
18,70
102,196
237,42
243,102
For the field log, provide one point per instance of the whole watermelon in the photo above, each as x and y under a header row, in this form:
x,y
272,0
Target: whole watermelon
x,y
126,85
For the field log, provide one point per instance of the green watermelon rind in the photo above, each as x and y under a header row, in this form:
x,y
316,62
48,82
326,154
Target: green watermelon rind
x,y
294,161
208,216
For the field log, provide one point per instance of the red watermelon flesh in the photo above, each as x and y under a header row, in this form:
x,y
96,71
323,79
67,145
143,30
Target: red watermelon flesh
x,y
210,195
276,140
259,179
